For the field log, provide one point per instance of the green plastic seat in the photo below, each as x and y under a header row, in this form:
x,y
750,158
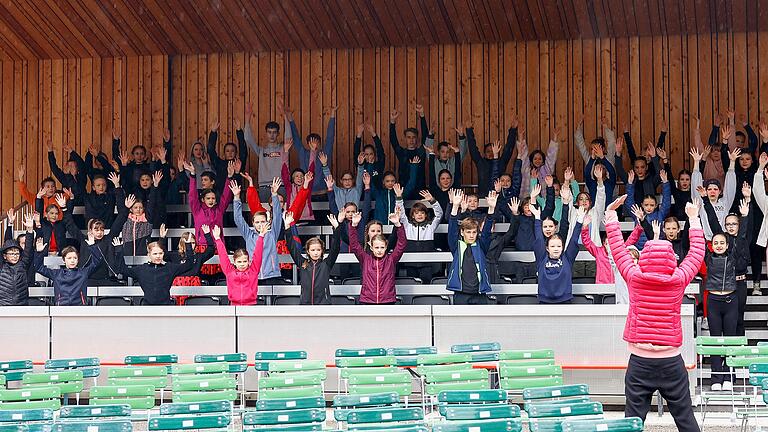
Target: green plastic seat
x,y
629,424
522,377
288,404
505,425
16,427
204,385
383,415
422,370
68,381
546,410
287,428
481,352
199,368
151,359
468,396
461,375
208,407
526,354
534,394
479,412
379,379
355,362
137,396
290,366
238,362
207,396
347,372
281,355
347,403
86,411
30,398
87,363
290,380
757,373
718,345
94,426
407,356
26,415
290,392
295,416
156,376
14,370
363,352
2,380
204,421
441,359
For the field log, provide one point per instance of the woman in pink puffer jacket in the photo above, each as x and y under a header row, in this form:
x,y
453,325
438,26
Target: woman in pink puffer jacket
x,y
653,329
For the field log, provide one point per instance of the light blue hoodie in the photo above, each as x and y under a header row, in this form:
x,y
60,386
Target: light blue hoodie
x,y
270,264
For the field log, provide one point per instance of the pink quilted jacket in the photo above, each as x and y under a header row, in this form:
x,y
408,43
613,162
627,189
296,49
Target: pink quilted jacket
x,y
603,270
656,286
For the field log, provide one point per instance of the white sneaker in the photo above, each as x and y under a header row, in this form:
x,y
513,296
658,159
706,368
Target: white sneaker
x,y
704,324
717,387
727,386
756,291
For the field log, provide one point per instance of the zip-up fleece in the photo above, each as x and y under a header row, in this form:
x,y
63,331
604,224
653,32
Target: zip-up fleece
x,y
314,276
70,285
270,265
242,286
479,249
378,284
204,215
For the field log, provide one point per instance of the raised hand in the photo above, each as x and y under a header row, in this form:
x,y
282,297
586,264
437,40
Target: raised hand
x,y
692,210
20,172
702,192
696,155
638,212
117,242
398,190
29,223
308,177
276,183
420,110
40,192
90,239
496,147
746,190
11,216
156,177
726,132
460,129
323,158
39,245
415,160
427,195
581,212
619,145
360,129
656,226
360,158
707,151
313,143
395,217
618,202
205,228
216,232
631,177
663,175
566,196
234,187
763,160
497,185
287,144
124,158
733,155
661,152
215,126
248,178
189,167
456,196
535,210
115,179
568,176
587,220
492,199
61,201
549,181
514,205
163,231
763,130
130,200
650,149
333,221
231,168
393,115
366,180
744,207
598,170
356,218
464,203
535,192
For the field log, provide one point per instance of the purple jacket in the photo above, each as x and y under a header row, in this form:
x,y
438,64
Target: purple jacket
x,y
204,215
378,273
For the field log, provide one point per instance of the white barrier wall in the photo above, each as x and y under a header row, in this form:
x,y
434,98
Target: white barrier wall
x,y
24,333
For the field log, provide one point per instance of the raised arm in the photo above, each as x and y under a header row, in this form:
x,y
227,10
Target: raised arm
x,y
402,242
224,262
581,145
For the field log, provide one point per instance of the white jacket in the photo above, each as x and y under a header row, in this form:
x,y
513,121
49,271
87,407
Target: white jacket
x,y
420,232
758,192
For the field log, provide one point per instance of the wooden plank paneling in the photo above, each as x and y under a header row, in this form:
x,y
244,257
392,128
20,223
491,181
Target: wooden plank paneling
x,y
638,82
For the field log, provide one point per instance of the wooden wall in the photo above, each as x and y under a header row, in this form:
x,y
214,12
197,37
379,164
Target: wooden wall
x,y
640,82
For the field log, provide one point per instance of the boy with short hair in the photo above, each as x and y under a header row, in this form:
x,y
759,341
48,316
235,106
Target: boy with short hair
x,y
468,276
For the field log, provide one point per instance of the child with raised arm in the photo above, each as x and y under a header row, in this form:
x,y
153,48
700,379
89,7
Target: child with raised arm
x,y
378,267
242,276
555,261
315,270
14,284
468,277
420,231
653,330
156,276
70,284
653,211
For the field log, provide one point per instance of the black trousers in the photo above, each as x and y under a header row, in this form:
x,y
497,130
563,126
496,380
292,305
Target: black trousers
x,y
741,293
460,298
756,256
668,376
723,317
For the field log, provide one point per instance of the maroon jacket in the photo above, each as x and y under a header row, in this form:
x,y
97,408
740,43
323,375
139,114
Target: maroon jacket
x,y
378,273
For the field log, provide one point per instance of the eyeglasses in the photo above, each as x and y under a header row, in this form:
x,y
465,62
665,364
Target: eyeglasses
x,y
13,253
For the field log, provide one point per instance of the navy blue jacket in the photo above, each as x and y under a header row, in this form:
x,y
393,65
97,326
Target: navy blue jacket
x,y
70,285
479,249
555,285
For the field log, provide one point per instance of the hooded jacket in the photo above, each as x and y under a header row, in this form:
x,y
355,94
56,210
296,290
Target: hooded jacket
x,y
242,286
14,287
70,285
479,251
555,275
656,286
378,281
270,264
204,215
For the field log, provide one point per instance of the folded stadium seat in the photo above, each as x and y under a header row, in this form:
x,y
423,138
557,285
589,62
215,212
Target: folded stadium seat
x,y
202,301
30,398
156,376
431,300
343,300
363,361
500,425
564,394
470,398
548,417
583,299
152,360
406,356
627,424
114,301
293,414
89,366
517,378
27,420
193,415
86,412
345,404
522,299
200,382
398,381
758,378
137,396
286,300
384,418
481,352
352,281
13,370
38,301
439,280
67,381
94,425
608,299
287,365
707,346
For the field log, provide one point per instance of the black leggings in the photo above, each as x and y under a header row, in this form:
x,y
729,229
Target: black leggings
x,y
723,317
667,375
756,255
741,293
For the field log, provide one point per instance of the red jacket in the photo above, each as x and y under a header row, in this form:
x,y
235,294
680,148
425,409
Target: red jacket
x,y
656,286
378,273
242,286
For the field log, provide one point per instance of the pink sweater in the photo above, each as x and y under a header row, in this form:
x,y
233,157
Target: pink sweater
x,y
204,215
604,271
242,286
